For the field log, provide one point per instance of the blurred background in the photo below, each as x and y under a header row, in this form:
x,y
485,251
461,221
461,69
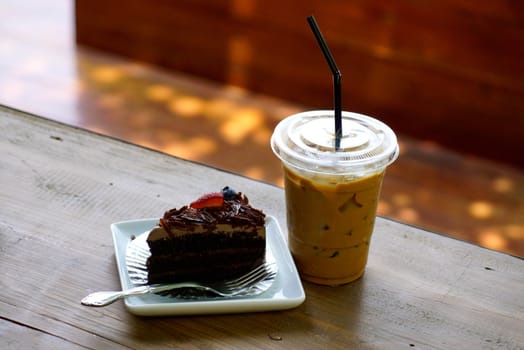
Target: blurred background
x,y
209,80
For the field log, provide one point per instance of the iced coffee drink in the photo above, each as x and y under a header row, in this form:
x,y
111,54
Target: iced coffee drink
x,y
332,192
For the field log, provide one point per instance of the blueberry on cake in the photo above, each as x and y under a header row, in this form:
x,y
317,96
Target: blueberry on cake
x,y
218,236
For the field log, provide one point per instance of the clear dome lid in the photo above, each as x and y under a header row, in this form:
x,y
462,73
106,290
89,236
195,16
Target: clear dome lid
x,y
307,141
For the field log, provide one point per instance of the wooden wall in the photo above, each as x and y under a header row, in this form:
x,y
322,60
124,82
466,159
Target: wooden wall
x,y
451,71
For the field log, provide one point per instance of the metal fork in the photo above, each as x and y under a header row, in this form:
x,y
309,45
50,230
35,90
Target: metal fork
x,y
223,288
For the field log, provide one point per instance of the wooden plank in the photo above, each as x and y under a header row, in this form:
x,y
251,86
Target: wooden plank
x,y
15,336
62,187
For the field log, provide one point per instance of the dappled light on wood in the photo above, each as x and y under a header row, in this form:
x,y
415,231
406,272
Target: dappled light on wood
x,y
106,74
159,92
229,127
481,210
186,106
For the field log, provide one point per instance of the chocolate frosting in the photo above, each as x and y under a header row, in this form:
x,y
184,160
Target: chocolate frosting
x,y
235,212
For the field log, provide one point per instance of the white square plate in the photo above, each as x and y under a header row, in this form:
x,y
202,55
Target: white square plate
x,y
286,292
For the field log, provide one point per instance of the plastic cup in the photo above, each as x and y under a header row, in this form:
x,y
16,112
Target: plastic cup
x,y
332,193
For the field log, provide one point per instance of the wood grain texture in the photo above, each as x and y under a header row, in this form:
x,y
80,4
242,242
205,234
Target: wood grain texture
x,y
62,187
440,70
45,73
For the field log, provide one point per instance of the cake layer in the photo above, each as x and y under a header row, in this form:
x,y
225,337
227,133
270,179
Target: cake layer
x,y
231,261
219,236
202,242
206,258
163,233
208,273
234,215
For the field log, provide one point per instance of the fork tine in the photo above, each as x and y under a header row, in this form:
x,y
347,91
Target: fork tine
x,y
240,289
256,270
257,278
240,280
247,279
237,287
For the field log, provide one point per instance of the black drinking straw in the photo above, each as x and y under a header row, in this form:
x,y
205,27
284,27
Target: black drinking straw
x,y
337,78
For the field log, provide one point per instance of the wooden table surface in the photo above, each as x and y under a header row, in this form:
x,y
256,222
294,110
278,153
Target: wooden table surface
x,y
62,187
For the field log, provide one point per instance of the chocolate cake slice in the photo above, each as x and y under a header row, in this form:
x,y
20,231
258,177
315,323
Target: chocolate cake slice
x,y
219,236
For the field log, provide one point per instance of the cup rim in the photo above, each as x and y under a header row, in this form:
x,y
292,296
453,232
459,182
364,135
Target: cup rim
x,y
341,163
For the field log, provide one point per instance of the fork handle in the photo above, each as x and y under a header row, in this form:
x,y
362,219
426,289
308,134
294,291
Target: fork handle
x,y
108,297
